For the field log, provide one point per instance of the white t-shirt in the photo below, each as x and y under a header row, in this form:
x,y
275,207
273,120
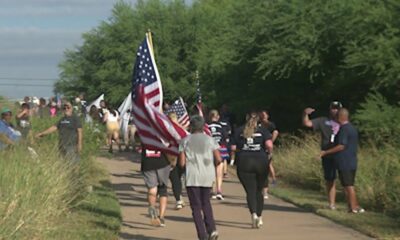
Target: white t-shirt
x,y
112,118
200,169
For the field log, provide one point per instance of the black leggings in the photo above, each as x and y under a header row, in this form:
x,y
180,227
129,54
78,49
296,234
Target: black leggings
x,y
252,171
175,177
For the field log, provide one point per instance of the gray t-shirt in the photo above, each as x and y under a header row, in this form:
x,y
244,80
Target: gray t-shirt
x,y
328,129
200,169
68,132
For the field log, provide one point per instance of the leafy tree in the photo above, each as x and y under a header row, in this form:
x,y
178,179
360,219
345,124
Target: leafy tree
x,y
283,55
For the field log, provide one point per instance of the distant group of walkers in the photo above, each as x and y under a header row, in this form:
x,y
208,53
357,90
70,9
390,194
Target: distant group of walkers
x,y
69,126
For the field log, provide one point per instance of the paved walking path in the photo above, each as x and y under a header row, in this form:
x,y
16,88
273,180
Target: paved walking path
x,y
281,220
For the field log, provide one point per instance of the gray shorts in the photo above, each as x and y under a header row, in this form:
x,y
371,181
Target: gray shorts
x,y
154,178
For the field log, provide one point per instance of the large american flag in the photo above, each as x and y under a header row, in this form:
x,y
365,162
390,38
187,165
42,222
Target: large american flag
x,y
156,131
179,108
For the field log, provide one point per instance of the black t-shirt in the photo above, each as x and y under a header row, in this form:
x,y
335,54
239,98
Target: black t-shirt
x,y
256,143
328,129
271,127
218,132
68,131
347,136
152,160
226,127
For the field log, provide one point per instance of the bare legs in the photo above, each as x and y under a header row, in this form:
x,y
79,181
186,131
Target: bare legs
x,y
331,191
219,173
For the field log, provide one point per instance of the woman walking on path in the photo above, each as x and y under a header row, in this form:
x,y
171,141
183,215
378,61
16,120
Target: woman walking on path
x,y
271,127
176,173
199,153
253,144
112,120
220,135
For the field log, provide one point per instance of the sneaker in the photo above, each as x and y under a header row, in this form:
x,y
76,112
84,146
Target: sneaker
x,y
332,207
162,222
213,236
266,196
219,196
179,204
358,210
154,219
259,222
213,196
254,220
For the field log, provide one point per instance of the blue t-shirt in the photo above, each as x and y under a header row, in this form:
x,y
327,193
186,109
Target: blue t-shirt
x,y
10,132
347,136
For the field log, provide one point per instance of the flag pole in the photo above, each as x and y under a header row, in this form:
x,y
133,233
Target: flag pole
x,y
196,77
150,39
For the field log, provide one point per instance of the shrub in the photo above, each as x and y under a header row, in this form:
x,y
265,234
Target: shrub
x,y
378,120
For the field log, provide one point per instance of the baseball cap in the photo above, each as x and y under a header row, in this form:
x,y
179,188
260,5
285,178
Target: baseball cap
x,y
336,104
4,110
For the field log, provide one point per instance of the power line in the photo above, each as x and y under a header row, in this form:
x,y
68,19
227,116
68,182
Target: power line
x,y
29,79
25,85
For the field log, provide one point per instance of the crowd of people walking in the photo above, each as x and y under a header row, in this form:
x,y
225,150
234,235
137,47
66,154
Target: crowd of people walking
x,y
203,158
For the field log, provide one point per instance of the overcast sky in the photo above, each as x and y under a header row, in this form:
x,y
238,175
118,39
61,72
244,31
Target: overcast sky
x,y
34,35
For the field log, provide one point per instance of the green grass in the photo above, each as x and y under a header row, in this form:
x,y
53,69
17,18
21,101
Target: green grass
x,y
371,223
46,197
377,185
97,216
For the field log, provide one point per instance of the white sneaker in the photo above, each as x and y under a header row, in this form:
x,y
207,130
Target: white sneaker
x,y
259,222
254,220
179,204
213,236
266,196
358,210
219,196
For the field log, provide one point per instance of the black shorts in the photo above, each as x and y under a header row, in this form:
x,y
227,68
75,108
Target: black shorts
x,y
347,177
328,164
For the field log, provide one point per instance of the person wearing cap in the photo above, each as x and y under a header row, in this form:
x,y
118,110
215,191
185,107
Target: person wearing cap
x,y
328,127
8,134
70,133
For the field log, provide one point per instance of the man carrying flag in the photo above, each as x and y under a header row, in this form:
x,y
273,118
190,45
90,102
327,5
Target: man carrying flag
x,y
157,133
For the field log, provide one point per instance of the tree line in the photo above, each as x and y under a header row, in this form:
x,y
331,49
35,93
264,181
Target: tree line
x,y
281,55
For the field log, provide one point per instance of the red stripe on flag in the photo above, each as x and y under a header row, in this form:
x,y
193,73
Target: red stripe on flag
x,y
156,131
